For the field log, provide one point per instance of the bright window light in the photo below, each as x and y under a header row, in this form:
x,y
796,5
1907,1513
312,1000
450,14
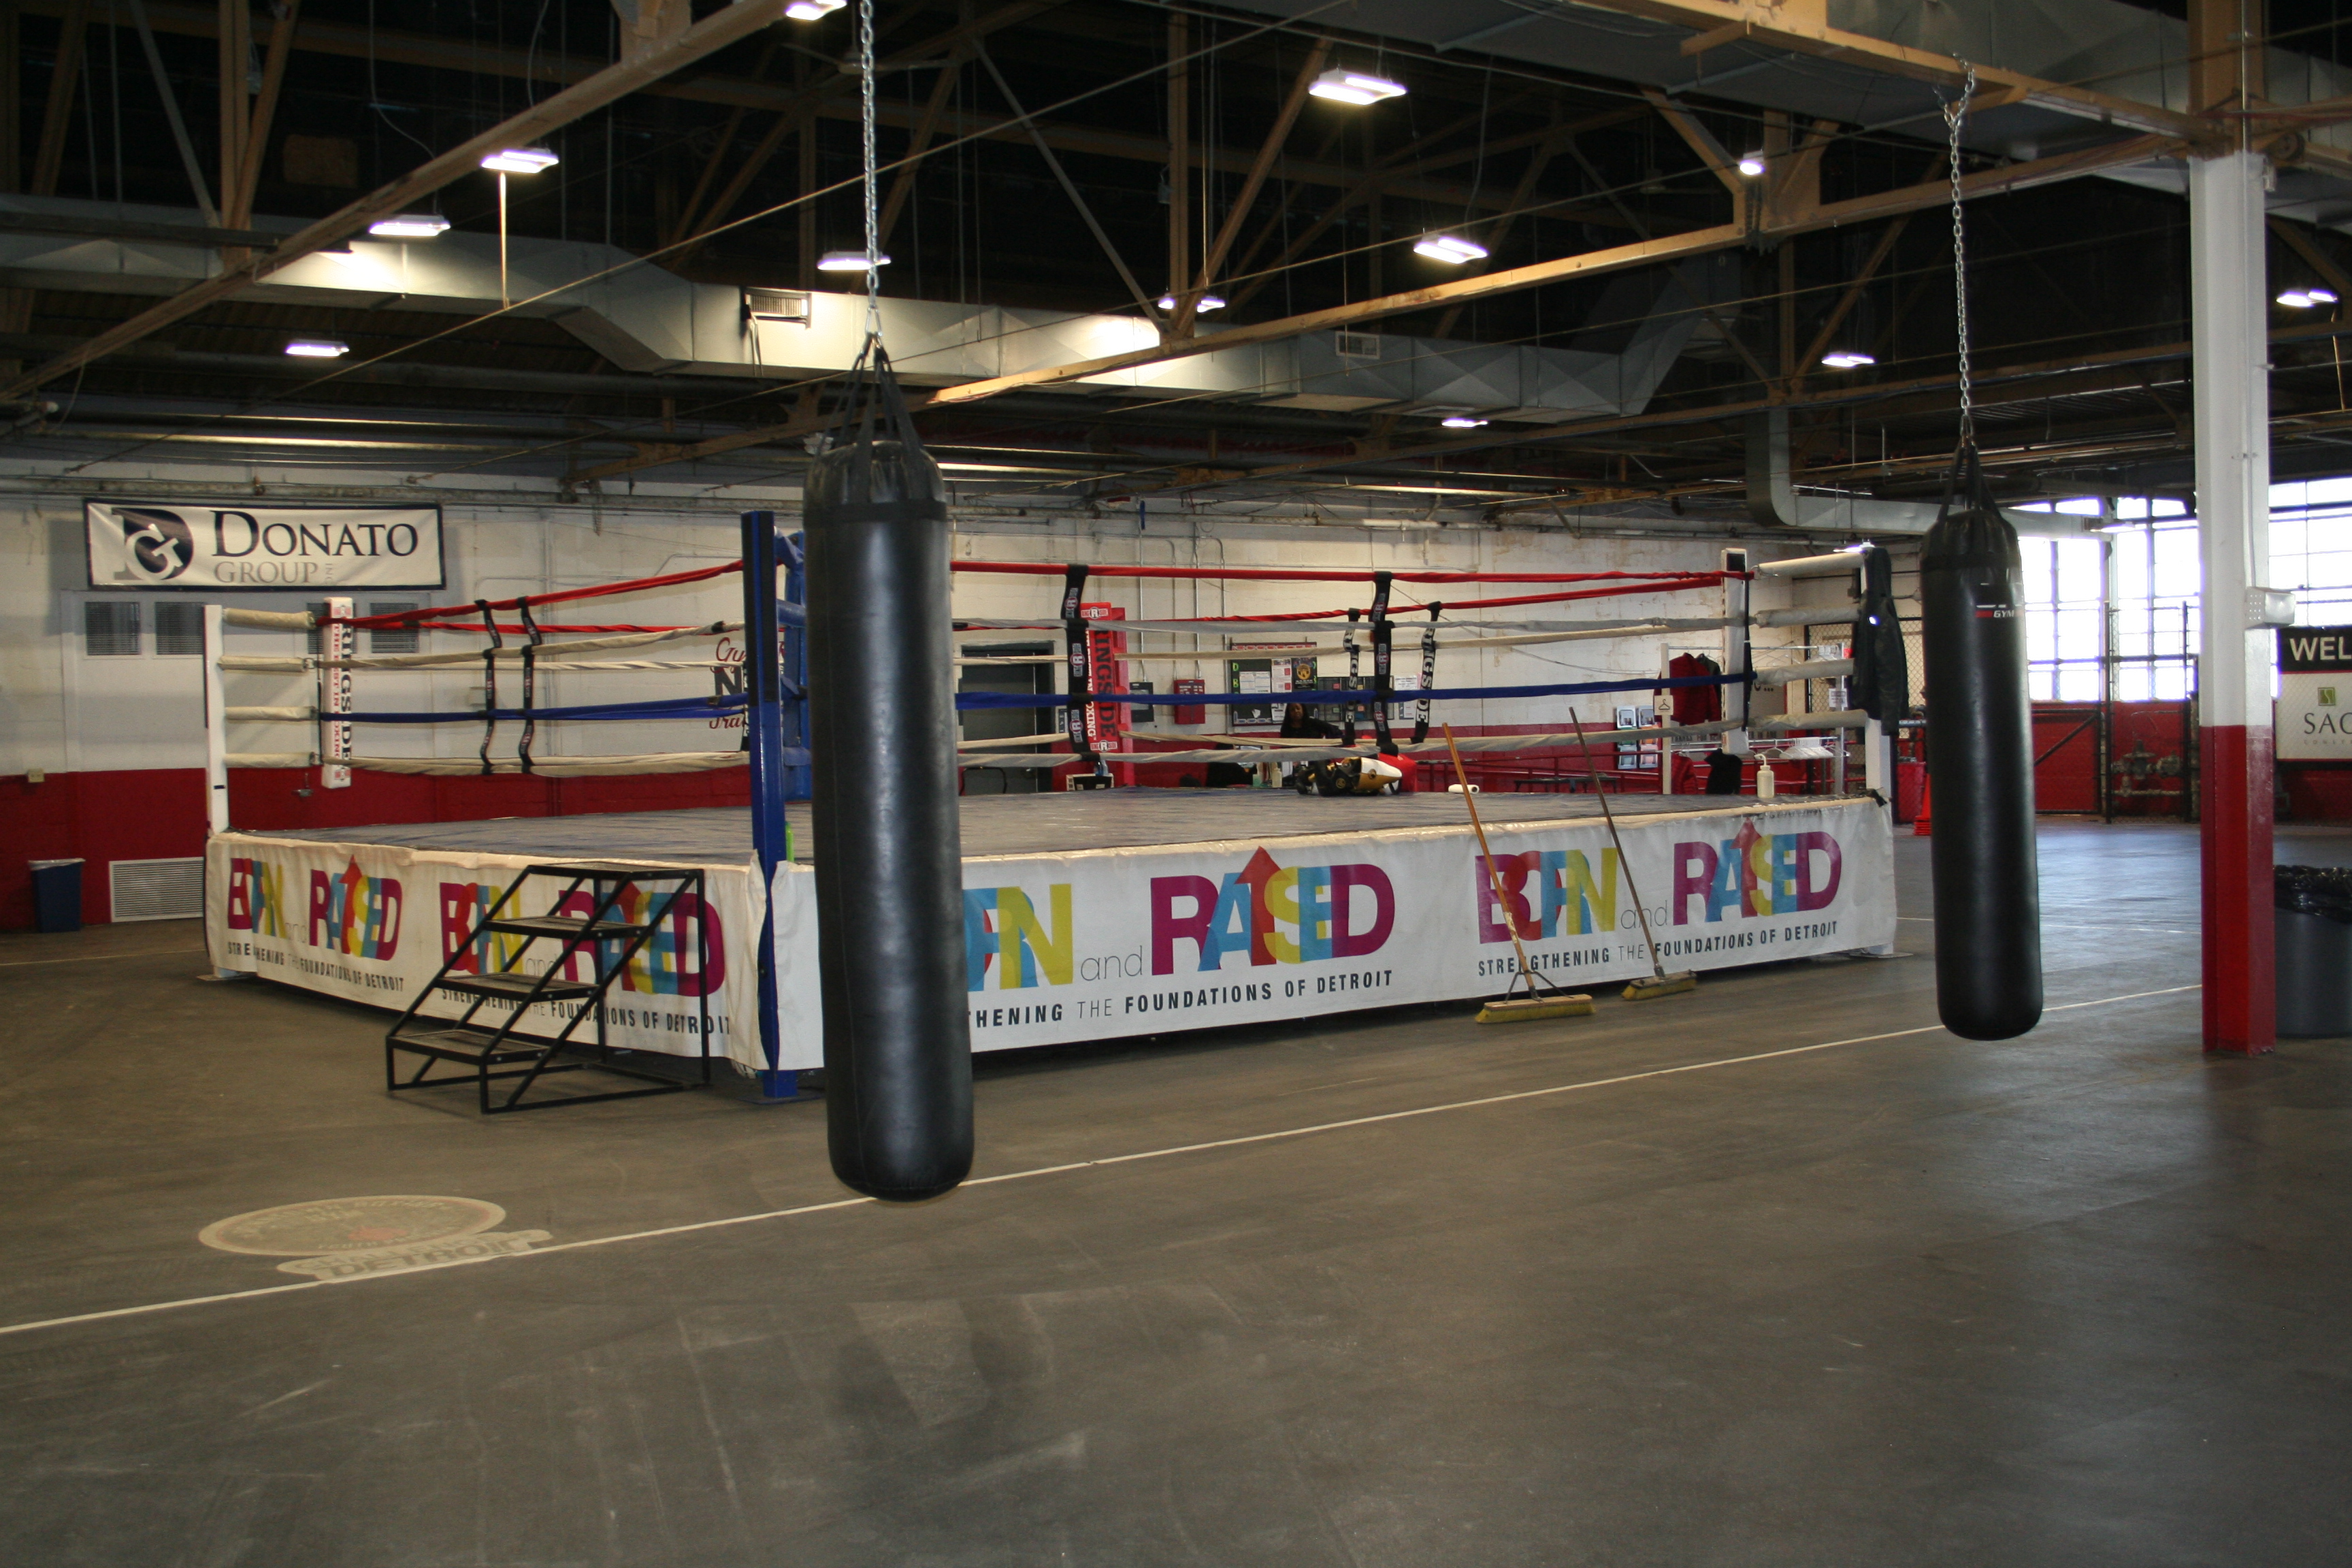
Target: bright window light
x,y
1452,249
410,226
1848,359
1752,164
1342,85
1461,422
520,161
810,10
318,348
847,261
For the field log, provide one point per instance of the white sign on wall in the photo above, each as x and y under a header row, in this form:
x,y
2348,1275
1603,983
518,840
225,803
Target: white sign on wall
x,y
263,548
2315,699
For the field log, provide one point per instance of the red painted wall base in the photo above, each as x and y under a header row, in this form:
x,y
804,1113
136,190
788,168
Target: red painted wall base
x,y
159,813
2240,985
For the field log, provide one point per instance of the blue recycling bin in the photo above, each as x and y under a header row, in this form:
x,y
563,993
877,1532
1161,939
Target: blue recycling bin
x,y
56,895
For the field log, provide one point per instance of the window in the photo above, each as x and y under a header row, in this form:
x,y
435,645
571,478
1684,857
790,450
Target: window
x,y
2311,549
109,629
179,628
391,639
2062,617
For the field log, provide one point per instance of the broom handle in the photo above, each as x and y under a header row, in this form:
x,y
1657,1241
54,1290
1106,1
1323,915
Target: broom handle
x,y
1493,877
1656,969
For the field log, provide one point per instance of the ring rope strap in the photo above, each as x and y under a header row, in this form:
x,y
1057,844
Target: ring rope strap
x,y
489,685
1383,673
1428,674
1074,632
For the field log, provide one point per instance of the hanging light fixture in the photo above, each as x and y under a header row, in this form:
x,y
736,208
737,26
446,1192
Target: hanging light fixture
x,y
1461,422
410,226
1752,164
811,10
847,261
1452,249
318,348
2304,299
1343,86
1848,359
1208,303
521,160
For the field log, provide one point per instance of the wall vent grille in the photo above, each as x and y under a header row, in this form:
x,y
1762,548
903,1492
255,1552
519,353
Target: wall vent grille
x,y
157,890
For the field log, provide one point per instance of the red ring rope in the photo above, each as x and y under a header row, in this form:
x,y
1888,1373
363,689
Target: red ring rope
x,y
634,584
1288,575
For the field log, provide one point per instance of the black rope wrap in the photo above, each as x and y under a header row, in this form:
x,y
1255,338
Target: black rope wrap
x,y
529,681
1428,676
489,682
1383,677
1074,637
1347,714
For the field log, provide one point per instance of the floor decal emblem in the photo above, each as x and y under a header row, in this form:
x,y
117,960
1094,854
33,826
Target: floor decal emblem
x,y
335,1238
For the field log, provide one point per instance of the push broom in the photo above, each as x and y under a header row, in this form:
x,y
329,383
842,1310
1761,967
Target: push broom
x,y
1507,1008
1660,982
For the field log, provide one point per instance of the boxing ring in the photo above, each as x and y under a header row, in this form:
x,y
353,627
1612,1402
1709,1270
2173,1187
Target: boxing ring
x,y
1088,914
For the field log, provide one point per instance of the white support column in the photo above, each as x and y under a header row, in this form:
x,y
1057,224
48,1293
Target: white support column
x,y
2229,296
1735,651
215,727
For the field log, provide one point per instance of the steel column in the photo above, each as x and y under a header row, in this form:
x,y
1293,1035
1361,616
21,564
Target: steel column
x,y
2229,318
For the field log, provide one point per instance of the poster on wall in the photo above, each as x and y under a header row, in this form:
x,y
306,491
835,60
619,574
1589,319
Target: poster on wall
x,y
171,546
2315,694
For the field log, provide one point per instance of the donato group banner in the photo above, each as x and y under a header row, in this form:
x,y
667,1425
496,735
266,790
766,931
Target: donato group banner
x,y
261,549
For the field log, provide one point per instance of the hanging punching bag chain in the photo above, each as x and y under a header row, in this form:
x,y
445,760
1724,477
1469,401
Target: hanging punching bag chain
x,y
865,126
1955,112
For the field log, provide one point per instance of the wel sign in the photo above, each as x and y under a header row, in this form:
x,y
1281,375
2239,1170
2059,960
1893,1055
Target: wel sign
x,y
261,549
2315,699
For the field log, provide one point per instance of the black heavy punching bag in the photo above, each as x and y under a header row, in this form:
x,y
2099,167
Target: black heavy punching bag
x,y
1980,767
889,862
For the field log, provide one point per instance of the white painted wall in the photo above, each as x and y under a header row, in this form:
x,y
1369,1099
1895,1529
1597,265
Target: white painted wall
x,y
62,711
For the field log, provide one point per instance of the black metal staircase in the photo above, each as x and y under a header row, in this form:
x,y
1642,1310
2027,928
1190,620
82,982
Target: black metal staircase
x,y
605,938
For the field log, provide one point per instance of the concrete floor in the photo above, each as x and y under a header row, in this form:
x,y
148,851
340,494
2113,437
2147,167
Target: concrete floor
x,y
2075,1299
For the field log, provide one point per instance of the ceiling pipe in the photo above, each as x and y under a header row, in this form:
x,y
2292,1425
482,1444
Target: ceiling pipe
x,y
1773,500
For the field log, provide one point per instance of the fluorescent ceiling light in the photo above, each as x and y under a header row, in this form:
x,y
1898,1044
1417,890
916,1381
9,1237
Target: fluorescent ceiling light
x,y
1342,85
847,261
811,10
410,226
1848,359
2304,299
1461,422
520,161
1452,249
318,348
1208,303
1751,164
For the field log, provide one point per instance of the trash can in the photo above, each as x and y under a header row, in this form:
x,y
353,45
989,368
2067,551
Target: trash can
x,y
56,895
2315,949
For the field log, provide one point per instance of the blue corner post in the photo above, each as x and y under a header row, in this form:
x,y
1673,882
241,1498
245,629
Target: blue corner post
x,y
772,833
798,784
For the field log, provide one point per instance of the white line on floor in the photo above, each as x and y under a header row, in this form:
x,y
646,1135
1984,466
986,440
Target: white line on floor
x,y
98,957
1044,1170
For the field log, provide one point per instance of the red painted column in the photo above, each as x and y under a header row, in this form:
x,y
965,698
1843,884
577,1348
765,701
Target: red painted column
x,y
2229,299
2240,999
